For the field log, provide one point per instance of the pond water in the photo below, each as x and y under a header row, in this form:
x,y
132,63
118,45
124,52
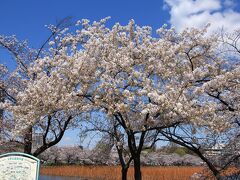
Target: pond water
x,y
60,178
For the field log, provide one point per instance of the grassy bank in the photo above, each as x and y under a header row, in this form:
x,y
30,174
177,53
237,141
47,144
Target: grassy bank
x,y
114,172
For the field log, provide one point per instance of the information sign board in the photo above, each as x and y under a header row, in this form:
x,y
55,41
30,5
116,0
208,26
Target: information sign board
x,y
19,166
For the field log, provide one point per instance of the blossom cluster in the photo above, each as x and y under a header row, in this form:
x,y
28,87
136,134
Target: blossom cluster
x,y
125,70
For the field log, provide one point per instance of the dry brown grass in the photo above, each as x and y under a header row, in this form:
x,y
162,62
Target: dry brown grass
x,y
114,172
230,171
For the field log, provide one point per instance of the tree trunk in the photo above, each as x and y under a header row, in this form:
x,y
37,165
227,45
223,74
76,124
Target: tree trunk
x,y
1,111
214,170
38,151
28,141
124,166
135,153
137,168
124,173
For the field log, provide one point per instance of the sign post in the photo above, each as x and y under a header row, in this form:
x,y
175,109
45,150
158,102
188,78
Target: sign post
x,y
19,166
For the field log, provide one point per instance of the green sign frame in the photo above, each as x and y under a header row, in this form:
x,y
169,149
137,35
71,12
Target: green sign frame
x,y
20,154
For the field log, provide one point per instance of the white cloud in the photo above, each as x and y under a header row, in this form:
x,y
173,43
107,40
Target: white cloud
x,y
197,13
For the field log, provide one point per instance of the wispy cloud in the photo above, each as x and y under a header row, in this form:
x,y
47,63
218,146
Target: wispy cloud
x,y
197,13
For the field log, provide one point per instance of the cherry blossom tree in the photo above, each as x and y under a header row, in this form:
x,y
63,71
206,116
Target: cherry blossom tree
x,y
144,83
29,86
147,83
223,90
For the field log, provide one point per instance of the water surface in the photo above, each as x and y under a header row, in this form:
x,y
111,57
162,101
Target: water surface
x,y
60,178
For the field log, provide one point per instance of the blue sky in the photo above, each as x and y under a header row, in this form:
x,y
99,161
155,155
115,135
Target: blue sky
x,y
26,18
